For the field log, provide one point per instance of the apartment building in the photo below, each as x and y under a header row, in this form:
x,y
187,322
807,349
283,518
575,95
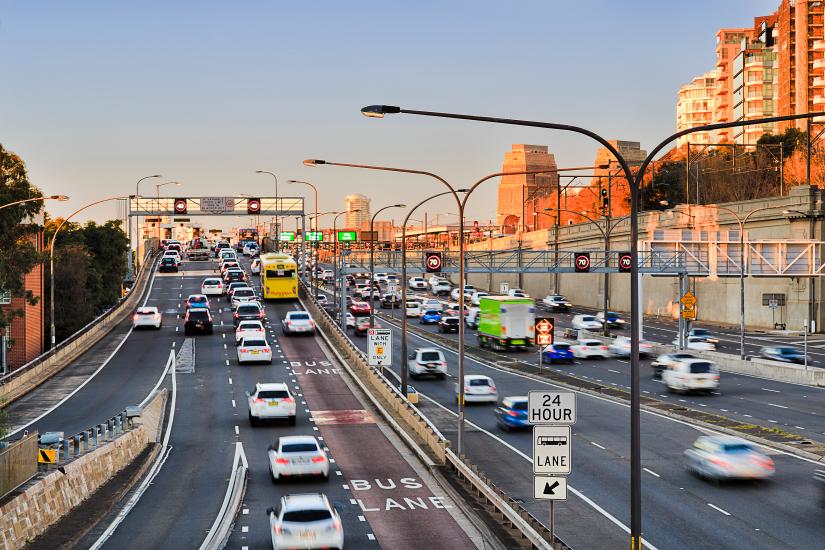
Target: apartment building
x,y
755,81
695,107
728,44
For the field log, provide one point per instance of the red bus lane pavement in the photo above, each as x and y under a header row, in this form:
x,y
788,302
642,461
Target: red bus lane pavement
x,y
404,509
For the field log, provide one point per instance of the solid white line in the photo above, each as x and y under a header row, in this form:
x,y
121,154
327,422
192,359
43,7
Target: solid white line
x,y
774,391
718,509
651,472
779,406
95,373
597,445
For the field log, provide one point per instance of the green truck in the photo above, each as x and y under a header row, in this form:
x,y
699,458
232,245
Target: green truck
x,y
506,322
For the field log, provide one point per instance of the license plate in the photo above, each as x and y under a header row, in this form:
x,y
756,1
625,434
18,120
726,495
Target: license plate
x,y
308,534
255,352
300,460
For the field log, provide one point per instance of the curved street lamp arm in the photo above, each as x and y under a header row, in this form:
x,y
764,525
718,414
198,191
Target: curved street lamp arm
x,y
496,175
79,210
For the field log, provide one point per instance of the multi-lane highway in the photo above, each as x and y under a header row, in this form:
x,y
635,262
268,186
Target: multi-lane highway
x,y
383,493
680,511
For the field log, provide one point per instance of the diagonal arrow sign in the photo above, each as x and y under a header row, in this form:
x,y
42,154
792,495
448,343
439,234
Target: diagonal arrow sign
x,y
548,489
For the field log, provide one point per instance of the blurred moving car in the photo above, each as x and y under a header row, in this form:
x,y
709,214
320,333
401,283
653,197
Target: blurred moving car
x,y
449,323
517,293
512,413
704,334
197,320
321,299
254,350
439,288
666,360
271,401
427,362
417,283
298,322
413,308
431,303
696,342
249,329
557,353
148,316
614,320
586,322
430,317
786,354
686,375
362,325
471,320
295,456
620,347
212,287
587,348
477,296
557,302
478,389
255,266
359,309
468,292
305,521
724,457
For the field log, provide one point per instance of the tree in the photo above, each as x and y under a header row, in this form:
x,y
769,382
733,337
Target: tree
x,y
74,307
21,257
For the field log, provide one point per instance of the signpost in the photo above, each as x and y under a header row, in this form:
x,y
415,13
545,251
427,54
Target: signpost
x,y
625,262
347,236
314,236
379,347
551,413
503,288
217,205
287,236
688,301
544,334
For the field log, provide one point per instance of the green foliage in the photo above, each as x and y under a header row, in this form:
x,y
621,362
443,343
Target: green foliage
x,y
791,139
17,254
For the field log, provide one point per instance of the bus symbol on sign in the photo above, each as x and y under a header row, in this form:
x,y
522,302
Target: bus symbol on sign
x,y
551,449
582,261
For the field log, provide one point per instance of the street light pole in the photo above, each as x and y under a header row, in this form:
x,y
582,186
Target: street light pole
x,y
51,260
49,198
157,198
130,267
277,209
372,259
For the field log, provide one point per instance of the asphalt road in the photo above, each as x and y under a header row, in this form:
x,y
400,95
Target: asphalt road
x,y
680,510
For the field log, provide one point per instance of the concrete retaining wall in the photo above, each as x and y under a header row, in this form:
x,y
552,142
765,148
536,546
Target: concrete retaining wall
x,y
28,377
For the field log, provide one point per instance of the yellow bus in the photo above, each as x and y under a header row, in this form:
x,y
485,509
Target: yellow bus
x,y
279,276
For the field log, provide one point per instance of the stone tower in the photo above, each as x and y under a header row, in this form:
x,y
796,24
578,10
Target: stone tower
x,y
515,191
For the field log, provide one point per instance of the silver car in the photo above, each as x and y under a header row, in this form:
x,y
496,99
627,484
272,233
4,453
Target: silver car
x,y
724,457
305,521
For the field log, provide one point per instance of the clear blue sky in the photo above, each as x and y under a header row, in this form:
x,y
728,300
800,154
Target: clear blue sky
x,y
94,95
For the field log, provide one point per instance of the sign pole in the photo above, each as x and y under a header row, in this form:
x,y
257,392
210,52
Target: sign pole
x,y
553,523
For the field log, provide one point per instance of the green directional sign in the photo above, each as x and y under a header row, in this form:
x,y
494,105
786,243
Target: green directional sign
x,y
287,236
314,236
347,236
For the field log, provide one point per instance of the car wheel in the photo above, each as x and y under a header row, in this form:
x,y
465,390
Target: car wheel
x,y
272,477
252,420
442,376
292,420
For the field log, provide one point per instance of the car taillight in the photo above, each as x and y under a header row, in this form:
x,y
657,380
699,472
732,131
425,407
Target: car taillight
x,y
336,524
603,347
243,350
266,350
466,389
281,461
318,459
512,413
719,462
261,314
288,400
766,463
492,388
277,529
157,315
259,400
236,315
135,316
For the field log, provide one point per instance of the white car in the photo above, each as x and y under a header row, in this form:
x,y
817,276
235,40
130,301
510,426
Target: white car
x,y
254,349
321,299
172,254
361,289
586,322
478,389
440,287
584,349
254,330
349,320
241,295
226,254
147,317
686,375
417,283
696,342
517,293
413,309
477,295
557,302
305,521
620,347
327,276
298,322
271,401
468,293
247,249
427,362
295,456
431,304
255,266
471,320
212,287
380,277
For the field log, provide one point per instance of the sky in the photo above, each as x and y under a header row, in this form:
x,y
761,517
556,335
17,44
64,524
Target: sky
x,y
95,95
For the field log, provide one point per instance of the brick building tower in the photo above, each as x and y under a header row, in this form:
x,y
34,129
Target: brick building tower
x,y
515,191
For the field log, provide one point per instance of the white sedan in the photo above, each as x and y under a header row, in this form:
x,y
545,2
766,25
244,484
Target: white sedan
x,y
298,322
468,293
585,349
249,329
418,283
478,389
255,266
147,317
620,347
212,286
305,521
586,322
297,455
271,401
698,343
254,349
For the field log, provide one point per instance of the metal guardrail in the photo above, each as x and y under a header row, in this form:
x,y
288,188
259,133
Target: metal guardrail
x,y
18,463
146,267
221,528
91,438
515,514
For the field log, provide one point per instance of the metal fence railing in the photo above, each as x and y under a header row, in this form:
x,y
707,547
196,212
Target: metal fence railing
x,y
18,463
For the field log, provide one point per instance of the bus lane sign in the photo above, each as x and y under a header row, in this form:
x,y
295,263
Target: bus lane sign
x,y
551,449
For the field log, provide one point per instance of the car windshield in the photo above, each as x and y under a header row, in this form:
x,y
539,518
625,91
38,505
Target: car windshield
x,y
430,356
702,367
788,351
306,516
273,394
244,292
168,260
197,300
212,282
248,309
250,326
299,317
432,312
561,347
588,318
450,320
145,311
479,382
254,343
701,332
198,314
299,447
519,406
736,448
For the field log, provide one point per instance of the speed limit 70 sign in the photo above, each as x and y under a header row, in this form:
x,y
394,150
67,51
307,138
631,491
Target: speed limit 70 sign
x,y
432,262
581,261
625,262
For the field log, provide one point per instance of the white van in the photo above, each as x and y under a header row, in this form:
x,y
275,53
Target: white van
x,y
413,308
686,375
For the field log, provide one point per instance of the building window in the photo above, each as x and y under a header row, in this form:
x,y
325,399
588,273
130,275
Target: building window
x,y
5,297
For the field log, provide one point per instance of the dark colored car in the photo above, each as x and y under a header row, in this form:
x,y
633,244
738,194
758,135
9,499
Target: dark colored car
x,y
512,413
614,320
233,276
362,325
197,321
248,311
430,317
449,324
390,299
556,353
168,265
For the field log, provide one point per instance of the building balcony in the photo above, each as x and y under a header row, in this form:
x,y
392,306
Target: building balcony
x,y
819,82
819,64
819,99
755,98
818,46
755,83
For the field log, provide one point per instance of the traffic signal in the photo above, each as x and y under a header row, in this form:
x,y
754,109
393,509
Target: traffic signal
x,y
253,206
605,200
180,206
